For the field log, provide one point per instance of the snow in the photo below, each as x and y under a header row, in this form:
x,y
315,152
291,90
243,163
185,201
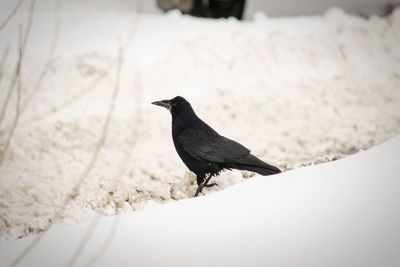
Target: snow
x,y
296,91
311,7
341,213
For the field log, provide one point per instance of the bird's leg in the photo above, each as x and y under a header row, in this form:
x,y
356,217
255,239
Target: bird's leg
x,y
207,180
200,179
200,187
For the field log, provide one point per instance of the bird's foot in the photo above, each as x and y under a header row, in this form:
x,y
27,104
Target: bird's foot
x,y
211,185
204,184
199,188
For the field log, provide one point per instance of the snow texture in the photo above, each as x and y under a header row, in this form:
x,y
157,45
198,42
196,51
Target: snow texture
x,y
87,143
341,213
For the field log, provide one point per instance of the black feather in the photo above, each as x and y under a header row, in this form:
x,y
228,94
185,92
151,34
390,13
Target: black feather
x,y
203,150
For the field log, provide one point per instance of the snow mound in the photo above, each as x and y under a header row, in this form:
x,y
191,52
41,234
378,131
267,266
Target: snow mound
x,y
343,213
296,91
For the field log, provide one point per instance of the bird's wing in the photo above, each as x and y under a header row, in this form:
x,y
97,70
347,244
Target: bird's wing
x,y
211,146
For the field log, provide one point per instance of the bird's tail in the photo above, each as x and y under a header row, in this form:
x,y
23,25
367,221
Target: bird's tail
x,y
252,163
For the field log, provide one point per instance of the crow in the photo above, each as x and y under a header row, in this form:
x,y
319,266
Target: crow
x,y
203,150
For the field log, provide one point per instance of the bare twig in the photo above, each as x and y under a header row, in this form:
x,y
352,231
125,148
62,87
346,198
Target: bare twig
x,y
134,135
17,80
13,12
18,90
67,102
100,143
28,29
8,95
15,76
4,58
106,243
83,242
74,192
47,65
17,106
135,23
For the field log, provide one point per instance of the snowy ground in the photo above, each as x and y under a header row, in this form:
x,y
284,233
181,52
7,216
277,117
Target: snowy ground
x,y
342,213
87,142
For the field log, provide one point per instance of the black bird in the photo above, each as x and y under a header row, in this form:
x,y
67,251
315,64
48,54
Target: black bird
x,y
203,150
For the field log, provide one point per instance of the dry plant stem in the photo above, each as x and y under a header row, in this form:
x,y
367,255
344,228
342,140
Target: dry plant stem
x,y
82,244
17,108
15,76
9,17
100,143
106,244
8,95
67,102
17,81
47,65
4,58
18,100
74,192
28,30
132,144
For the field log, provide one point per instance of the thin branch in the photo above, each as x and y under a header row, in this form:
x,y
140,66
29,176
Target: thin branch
x,y
135,23
18,95
68,101
15,76
125,162
28,29
17,106
13,12
74,192
47,65
100,143
74,98
17,80
106,243
57,23
134,135
8,96
83,242
4,58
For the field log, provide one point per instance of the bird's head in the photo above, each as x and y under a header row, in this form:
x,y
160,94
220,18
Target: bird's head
x,y
177,105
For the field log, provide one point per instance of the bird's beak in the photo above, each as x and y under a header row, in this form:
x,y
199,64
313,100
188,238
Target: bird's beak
x,y
163,103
